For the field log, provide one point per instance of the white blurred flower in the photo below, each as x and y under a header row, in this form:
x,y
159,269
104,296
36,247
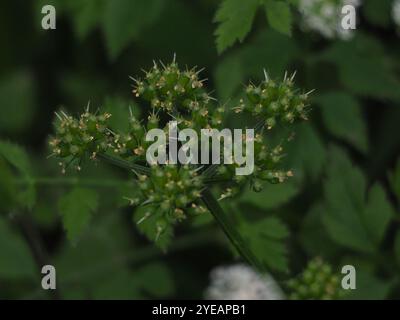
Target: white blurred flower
x,y
240,282
396,12
324,17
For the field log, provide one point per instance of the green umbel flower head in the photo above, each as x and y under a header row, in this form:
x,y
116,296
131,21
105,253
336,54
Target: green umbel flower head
x,y
317,281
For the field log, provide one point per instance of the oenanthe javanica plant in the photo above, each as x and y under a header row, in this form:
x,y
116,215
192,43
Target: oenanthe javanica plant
x,y
168,193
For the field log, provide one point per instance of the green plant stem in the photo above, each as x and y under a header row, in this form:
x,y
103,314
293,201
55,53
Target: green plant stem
x,y
125,164
231,232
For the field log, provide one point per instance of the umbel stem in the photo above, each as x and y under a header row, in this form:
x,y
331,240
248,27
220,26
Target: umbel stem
x,y
124,164
230,231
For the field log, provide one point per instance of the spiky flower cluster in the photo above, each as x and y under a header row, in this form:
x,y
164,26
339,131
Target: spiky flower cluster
x,y
272,102
76,138
240,282
173,191
317,281
324,17
180,94
275,101
266,161
132,144
89,135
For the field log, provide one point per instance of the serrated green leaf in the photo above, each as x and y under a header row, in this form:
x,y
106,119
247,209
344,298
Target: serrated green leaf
x,y
351,219
148,226
235,18
124,20
76,208
18,158
279,16
266,240
342,116
16,260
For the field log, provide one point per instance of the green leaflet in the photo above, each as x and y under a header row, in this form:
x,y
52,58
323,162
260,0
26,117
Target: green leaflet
x,y
265,238
342,115
17,157
76,208
353,218
279,16
235,18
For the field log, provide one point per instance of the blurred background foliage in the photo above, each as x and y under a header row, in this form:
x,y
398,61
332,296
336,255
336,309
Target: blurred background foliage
x,y
342,204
